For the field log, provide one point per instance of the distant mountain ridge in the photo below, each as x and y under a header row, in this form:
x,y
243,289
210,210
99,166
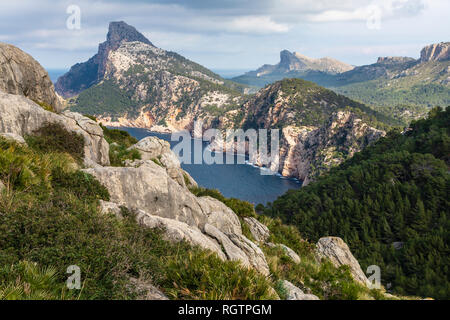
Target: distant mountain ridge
x,y
390,82
294,61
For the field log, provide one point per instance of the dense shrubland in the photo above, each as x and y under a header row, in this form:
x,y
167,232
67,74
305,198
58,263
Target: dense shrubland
x,y
390,204
49,220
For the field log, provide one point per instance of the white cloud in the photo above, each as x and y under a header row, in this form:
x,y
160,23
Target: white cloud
x,y
256,24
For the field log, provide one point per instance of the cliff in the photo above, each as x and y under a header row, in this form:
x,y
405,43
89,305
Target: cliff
x,y
319,129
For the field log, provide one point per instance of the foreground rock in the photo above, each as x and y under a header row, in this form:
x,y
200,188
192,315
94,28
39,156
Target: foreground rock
x,y
22,75
21,116
160,202
157,150
338,252
259,231
13,138
295,293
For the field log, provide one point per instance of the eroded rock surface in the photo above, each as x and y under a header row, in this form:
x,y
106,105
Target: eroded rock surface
x,y
338,252
20,74
295,293
21,116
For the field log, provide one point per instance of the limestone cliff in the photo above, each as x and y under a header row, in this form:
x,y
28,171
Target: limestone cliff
x,y
319,129
436,52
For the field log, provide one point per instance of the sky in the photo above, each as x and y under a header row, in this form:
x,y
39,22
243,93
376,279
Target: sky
x,y
229,34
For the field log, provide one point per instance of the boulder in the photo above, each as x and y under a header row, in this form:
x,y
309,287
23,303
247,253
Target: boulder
x,y
258,230
13,137
159,194
288,251
219,215
336,250
20,74
231,250
153,148
145,290
176,231
295,293
255,255
156,192
21,116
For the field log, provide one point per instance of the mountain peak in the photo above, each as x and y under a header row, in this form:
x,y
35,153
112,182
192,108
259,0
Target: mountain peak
x,y
119,32
436,52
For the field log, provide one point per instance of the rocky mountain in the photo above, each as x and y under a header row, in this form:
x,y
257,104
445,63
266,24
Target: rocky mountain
x,y
294,61
388,85
320,129
292,64
436,52
84,75
130,82
141,228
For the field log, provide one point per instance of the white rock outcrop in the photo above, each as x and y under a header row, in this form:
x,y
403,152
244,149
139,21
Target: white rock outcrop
x,y
338,252
295,293
21,116
20,74
155,149
160,202
258,230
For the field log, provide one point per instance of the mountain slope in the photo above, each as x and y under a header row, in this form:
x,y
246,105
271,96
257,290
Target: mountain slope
x,y
292,63
319,128
388,85
131,82
390,203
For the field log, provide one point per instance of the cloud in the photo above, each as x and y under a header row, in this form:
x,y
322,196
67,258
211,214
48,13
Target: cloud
x,y
227,32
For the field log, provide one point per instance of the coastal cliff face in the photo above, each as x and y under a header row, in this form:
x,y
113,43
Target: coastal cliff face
x,y
308,152
319,129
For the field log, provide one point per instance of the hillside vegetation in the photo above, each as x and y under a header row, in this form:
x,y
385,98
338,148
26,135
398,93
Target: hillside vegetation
x,y
50,219
390,204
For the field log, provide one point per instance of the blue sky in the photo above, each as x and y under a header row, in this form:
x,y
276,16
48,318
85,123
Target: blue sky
x,y
231,34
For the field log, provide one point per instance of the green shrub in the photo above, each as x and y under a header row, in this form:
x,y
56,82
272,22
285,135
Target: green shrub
x,y
27,281
79,183
240,207
205,276
53,137
119,142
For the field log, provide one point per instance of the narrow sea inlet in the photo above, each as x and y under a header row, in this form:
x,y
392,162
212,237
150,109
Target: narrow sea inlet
x,y
242,181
